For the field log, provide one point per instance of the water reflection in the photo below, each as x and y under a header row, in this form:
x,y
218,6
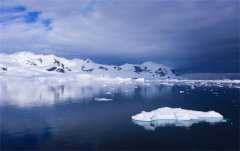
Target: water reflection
x,y
62,116
29,93
34,93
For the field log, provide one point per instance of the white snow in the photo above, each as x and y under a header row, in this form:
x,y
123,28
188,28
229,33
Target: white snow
x,y
175,116
27,64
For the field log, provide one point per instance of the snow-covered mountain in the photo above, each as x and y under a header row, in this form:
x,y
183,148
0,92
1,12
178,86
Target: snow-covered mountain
x,y
30,64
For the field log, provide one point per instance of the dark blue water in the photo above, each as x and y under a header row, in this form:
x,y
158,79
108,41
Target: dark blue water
x,y
76,124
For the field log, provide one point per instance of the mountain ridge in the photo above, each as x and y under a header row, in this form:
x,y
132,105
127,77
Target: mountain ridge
x,y
31,64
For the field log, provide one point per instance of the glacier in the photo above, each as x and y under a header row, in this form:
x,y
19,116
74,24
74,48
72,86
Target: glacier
x,y
174,116
28,64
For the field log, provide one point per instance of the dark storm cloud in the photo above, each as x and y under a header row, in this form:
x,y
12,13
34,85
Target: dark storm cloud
x,y
188,34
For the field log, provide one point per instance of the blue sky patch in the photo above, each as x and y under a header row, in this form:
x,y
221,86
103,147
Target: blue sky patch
x,y
14,9
31,17
8,14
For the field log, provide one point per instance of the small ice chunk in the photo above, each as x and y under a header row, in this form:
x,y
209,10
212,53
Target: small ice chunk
x,y
175,116
109,93
140,80
102,99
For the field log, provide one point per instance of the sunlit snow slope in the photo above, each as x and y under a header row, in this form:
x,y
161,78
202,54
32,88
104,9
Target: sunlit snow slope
x,y
30,64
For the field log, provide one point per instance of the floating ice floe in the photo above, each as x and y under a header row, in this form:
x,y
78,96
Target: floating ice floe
x,y
181,92
200,83
109,93
102,99
174,116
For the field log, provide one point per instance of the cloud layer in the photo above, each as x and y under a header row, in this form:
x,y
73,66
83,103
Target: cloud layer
x,y
147,29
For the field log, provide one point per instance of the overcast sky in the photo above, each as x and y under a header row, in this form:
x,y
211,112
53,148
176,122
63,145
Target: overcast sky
x,y
190,35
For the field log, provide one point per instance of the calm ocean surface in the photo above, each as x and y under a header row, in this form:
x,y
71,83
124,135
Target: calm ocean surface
x,y
72,119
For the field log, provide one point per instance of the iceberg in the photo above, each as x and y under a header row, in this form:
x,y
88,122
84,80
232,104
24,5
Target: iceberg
x,y
102,99
175,116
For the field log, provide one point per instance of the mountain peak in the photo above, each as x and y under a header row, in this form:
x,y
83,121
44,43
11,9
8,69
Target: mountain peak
x,y
31,64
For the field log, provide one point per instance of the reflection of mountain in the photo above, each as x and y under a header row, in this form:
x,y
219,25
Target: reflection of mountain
x,y
29,64
35,93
